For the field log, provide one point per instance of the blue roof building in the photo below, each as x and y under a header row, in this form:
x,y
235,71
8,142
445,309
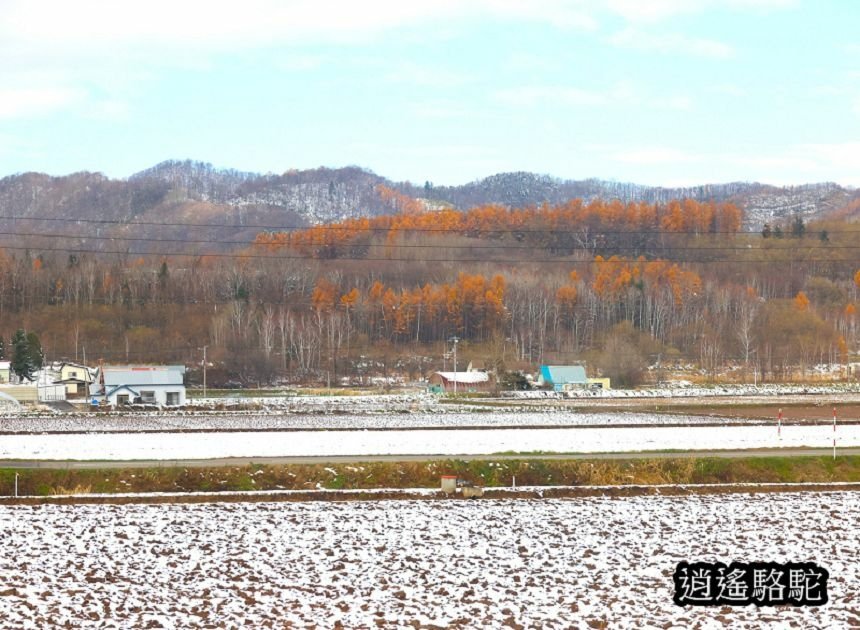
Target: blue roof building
x,y
562,377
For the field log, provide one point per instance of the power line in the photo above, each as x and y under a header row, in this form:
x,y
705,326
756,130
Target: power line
x,y
789,244
451,230
308,258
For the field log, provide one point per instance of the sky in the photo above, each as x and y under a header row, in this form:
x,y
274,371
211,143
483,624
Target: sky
x,y
659,92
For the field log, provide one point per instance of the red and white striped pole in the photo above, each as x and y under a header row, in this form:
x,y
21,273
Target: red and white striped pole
x,y
779,424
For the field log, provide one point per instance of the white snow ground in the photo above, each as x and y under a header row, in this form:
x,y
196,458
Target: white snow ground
x,y
177,446
239,421
595,562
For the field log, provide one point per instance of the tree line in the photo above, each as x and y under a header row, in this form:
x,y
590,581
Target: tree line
x,y
623,286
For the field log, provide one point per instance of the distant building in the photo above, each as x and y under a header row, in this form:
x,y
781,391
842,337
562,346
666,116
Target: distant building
x,y
21,393
471,381
562,377
141,384
77,379
5,371
599,383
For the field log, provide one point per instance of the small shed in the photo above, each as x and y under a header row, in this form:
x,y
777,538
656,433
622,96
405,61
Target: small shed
x,y
562,377
471,381
599,383
22,393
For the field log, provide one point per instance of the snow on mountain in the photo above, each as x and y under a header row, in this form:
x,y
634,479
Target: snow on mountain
x,y
188,191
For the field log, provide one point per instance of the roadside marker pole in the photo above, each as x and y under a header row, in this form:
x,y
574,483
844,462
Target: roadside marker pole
x,y
779,424
834,433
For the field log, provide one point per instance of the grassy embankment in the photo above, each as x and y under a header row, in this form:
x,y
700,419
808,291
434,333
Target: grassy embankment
x,y
486,472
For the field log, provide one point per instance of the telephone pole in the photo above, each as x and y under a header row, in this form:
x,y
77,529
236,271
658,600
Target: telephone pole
x,y
455,340
204,371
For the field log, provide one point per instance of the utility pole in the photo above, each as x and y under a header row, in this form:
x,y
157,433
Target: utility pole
x,y
455,340
204,371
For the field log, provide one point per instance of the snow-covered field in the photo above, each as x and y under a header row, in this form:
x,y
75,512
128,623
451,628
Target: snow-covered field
x,y
237,421
177,446
582,562
692,391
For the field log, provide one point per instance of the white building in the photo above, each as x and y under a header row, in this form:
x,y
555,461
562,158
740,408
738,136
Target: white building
x,y
141,384
470,381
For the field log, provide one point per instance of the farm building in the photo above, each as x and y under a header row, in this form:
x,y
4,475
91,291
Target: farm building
x,y
77,379
562,377
599,383
471,381
21,393
147,384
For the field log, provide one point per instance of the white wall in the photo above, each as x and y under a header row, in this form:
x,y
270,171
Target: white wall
x,y
159,390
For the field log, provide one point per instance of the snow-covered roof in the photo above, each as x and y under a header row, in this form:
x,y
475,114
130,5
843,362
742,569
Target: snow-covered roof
x,y
72,364
143,375
4,365
465,377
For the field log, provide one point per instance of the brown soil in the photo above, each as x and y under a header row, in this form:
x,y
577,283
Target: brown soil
x,y
849,412
406,495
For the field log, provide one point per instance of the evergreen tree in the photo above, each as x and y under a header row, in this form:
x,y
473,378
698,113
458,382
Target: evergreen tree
x,y
798,228
22,364
37,355
2,348
163,275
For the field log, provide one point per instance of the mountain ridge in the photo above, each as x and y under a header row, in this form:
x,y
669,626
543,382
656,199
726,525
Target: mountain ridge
x,y
235,202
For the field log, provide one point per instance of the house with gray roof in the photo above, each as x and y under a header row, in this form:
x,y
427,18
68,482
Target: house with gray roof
x,y
161,385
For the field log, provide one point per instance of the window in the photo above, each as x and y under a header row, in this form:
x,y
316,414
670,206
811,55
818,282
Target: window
x,y
122,399
73,374
148,397
172,398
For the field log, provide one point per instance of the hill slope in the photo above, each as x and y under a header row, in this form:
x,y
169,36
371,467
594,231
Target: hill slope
x,y
196,192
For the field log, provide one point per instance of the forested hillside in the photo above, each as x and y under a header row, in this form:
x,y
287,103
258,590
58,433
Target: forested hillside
x,y
221,206
621,285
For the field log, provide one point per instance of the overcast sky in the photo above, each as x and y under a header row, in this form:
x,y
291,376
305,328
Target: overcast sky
x,y
651,91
